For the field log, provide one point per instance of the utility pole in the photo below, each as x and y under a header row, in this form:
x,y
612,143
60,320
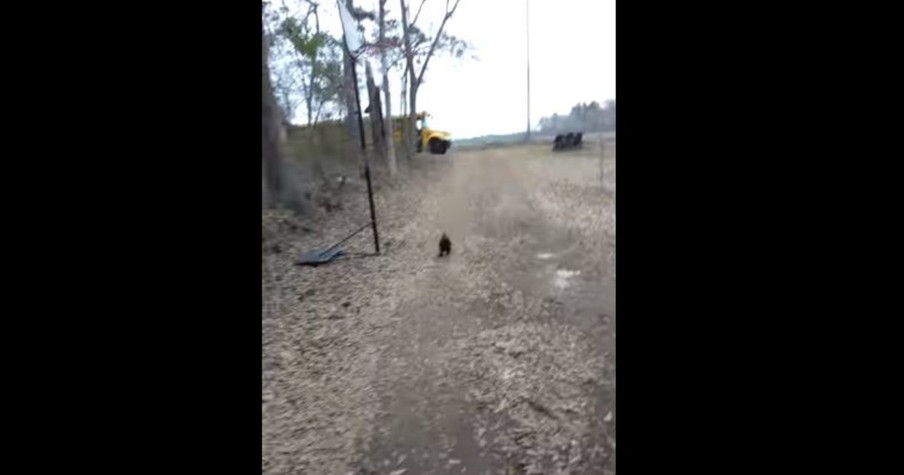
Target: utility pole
x,y
527,31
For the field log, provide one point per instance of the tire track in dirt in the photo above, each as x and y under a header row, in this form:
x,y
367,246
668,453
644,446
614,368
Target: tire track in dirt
x,y
426,423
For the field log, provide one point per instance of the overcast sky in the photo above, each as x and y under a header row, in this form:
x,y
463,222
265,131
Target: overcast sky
x,y
572,59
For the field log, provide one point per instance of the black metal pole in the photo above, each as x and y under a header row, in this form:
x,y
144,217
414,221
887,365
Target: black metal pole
x,y
358,104
373,216
370,193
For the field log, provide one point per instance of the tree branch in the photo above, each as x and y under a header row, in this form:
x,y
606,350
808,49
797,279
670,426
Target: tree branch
x,y
419,13
316,16
436,39
317,114
406,39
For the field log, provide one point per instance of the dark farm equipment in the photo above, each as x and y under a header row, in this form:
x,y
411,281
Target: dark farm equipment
x,y
569,141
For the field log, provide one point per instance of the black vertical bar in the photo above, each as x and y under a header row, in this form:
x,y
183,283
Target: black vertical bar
x,y
370,193
373,216
358,104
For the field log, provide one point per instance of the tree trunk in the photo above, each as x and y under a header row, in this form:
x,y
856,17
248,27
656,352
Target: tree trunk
x,y
376,111
269,133
390,131
415,137
352,146
279,186
390,137
348,93
266,202
410,132
349,82
406,126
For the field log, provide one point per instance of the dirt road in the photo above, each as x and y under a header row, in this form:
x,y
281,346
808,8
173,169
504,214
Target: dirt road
x,y
497,359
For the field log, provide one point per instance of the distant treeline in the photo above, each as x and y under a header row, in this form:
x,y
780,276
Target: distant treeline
x,y
583,118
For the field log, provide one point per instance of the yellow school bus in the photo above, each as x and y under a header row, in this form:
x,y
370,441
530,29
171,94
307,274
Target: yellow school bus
x,y
436,141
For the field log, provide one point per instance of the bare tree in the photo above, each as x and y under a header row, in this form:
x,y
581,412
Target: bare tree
x,y
408,133
270,133
348,94
349,81
406,124
375,109
390,141
279,187
415,77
